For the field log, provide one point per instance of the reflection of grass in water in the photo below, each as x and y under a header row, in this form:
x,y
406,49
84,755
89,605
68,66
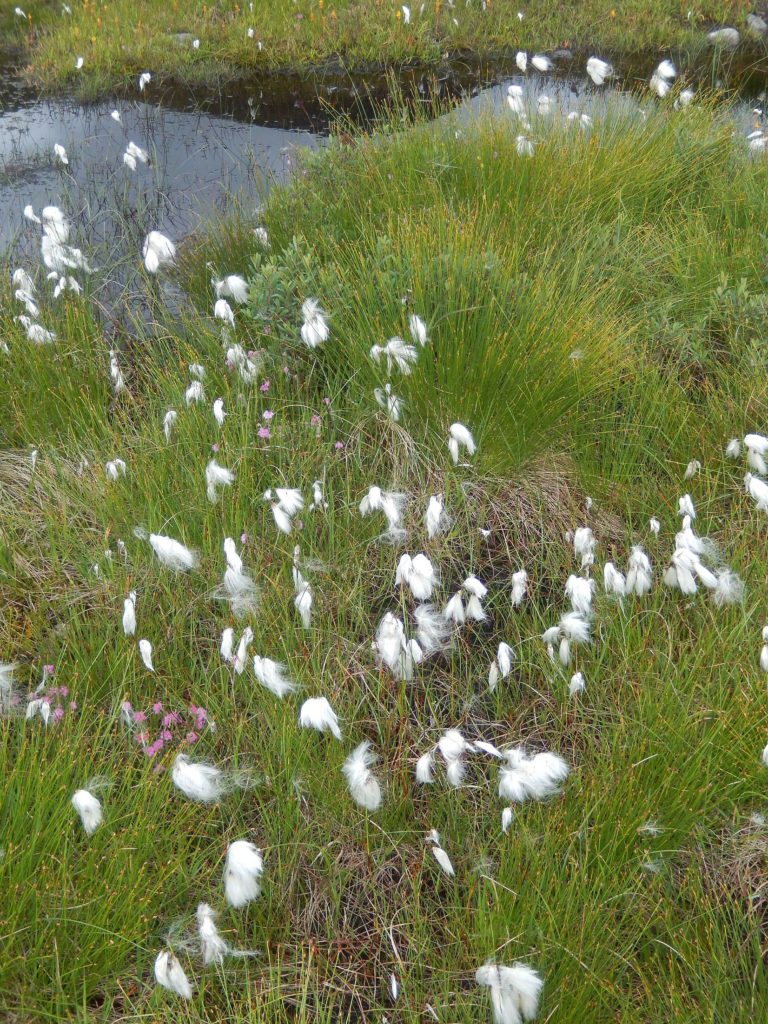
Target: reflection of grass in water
x,y
13,170
129,37
607,247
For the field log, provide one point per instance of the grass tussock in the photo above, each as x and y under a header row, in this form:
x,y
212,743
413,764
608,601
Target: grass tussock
x,y
594,317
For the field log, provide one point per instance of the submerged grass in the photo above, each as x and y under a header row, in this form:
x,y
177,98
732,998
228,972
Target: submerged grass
x,y
120,39
596,317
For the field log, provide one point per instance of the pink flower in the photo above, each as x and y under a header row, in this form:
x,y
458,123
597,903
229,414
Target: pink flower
x,y
287,371
264,432
264,386
214,447
326,401
64,691
191,737
244,538
48,670
58,714
339,445
267,415
167,735
315,421
139,716
73,705
142,737
127,706
157,708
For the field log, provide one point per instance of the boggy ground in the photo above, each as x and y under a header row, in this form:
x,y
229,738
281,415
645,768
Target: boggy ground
x,y
596,316
120,39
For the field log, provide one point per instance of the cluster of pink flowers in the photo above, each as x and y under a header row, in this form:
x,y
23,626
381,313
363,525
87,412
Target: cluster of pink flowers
x,y
166,726
49,702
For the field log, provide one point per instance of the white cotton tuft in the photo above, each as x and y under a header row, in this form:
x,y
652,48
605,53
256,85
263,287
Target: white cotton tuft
x,y
271,675
145,650
317,713
425,768
440,855
507,817
158,251
729,588
89,809
584,545
170,552
580,591
194,393
433,630
232,286
169,421
733,448
129,614
418,330
757,489
519,588
314,330
241,656
576,684
435,517
454,610
515,991
242,873
639,578
303,604
614,582
685,506
170,974
460,437
363,785
217,476
531,778
654,525
417,573
227,644
599,70
198,781
213,948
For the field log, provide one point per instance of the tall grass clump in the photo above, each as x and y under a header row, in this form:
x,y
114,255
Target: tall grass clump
x,y
594,317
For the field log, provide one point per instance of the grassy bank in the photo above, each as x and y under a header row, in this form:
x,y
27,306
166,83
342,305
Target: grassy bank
x,y
118,40
596,316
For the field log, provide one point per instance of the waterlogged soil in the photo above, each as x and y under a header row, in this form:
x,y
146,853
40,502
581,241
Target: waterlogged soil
x,y
232,138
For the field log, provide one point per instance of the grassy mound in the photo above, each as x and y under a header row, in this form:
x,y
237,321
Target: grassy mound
x,y
596,317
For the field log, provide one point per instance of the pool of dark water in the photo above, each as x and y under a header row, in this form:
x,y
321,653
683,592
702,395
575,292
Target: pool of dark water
x,y
233,139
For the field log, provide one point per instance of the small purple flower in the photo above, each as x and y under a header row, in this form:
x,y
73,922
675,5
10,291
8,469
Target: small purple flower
x,y
339,446
157,708
264,432
214,447
244,538
264,386
127,707
315,421
167,735
64,691
326,401
58,714
139,716
191,737
287,371
48,670
268,414
73,705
